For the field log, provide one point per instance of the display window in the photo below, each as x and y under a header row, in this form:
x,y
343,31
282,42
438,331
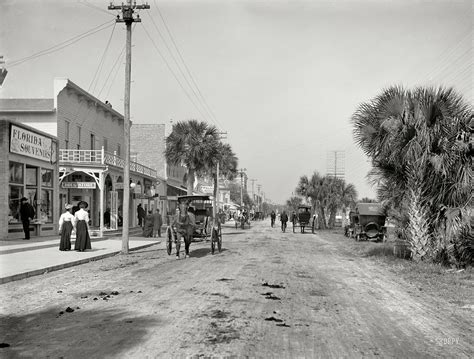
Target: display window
x,y
16,172
46,178
31,176
15,193
46,206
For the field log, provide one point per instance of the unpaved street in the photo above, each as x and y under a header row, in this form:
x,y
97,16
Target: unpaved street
x,y
268,294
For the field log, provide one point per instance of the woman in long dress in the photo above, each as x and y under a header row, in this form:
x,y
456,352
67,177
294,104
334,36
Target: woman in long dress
x,y
83,240
66,225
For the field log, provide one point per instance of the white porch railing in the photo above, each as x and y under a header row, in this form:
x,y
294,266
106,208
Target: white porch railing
x,y
102,157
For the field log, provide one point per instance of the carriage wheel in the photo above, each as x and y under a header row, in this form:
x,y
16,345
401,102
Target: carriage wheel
x,y
214,239
169,240
219,240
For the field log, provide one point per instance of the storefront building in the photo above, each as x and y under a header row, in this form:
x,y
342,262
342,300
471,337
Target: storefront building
x,y
28,168
88,138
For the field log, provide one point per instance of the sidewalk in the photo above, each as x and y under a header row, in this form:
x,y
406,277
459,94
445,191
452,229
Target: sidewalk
x,y
20,259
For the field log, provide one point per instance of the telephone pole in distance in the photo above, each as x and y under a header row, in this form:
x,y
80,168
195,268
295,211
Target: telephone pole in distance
x,y
128,18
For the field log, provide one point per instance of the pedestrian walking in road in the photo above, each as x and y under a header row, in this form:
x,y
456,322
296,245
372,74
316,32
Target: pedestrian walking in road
x,y
27,213
83,240
157,223
283,219
272,218
67,223
141,215
148,225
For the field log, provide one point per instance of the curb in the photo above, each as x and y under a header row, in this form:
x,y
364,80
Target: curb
x,y
35,272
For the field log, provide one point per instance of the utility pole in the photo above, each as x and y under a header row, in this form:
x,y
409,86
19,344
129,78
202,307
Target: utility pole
x,y
253,194
259,186
241,171
128,19
215,202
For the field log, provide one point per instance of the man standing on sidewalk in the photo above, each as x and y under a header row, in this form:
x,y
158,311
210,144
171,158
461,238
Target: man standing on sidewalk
x,y
157,223
141,215
26,213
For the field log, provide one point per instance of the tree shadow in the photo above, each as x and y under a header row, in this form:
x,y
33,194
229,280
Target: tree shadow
x,y
94,333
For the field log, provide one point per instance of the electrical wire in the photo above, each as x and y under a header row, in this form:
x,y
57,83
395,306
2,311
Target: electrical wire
x,y
179,67
184,62
172,72
101,63
185,65
63,44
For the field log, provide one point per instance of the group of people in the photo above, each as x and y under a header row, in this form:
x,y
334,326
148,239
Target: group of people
x,y
150,222
283,220
77,222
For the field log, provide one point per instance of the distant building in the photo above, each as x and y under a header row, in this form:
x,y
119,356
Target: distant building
x,y
147,146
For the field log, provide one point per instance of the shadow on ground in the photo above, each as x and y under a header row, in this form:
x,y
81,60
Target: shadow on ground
x,y
202,252
83,333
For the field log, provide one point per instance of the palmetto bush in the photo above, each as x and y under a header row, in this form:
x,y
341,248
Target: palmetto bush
x,y
418,164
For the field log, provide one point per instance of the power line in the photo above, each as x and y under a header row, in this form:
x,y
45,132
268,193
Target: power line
x,y
178,65
184,63
63,44
172,72
101,63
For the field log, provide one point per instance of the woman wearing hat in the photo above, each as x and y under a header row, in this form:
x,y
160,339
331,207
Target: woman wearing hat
x,y
66,224
83,240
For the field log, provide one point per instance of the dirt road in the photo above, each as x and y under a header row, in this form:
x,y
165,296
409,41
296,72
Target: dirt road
x,y
268,295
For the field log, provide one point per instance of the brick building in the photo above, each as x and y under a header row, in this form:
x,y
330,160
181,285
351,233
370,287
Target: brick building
x,y
147,146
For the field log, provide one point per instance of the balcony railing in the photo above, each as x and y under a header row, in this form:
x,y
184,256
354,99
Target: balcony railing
x,y
101,157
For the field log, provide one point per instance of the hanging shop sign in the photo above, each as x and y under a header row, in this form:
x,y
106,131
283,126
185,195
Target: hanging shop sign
x,y
82,185
31,144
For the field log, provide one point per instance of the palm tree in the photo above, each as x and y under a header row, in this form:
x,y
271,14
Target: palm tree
x,y
411,138
316,190
190,144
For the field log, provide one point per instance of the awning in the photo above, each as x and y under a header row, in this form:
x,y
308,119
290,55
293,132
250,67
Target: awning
x,y
175,191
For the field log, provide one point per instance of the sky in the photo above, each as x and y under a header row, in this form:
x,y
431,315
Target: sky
x,y
281,78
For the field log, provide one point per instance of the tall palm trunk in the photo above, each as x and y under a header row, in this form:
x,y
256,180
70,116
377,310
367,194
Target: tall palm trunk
x,y
418,228
322,218
191,177
332,217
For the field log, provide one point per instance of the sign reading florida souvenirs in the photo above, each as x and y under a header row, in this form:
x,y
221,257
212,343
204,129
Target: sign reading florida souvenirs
x,y
31,144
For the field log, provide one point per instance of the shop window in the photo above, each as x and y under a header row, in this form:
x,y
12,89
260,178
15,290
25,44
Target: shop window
x,y
31,176
15,193
46,206
46,178
16,172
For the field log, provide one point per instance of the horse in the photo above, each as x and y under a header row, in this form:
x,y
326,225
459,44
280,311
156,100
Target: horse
x,y
183,226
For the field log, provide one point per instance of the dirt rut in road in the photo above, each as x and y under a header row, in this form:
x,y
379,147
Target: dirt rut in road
x,y
268,294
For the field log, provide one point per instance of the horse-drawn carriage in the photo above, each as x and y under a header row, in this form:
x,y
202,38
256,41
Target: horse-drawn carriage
x,y
303,218
366,222
193,220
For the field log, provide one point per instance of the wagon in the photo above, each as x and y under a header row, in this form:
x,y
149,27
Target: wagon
x,y
303,218
368,222
205,227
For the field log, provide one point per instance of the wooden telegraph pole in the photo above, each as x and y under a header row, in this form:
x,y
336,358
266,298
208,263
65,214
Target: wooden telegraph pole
x,y
128,18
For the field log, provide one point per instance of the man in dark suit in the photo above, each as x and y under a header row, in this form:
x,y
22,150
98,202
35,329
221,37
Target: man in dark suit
x,y
26,213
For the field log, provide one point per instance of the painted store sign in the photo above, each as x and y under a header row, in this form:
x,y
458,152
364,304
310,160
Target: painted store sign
x,y
89,185
31,144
